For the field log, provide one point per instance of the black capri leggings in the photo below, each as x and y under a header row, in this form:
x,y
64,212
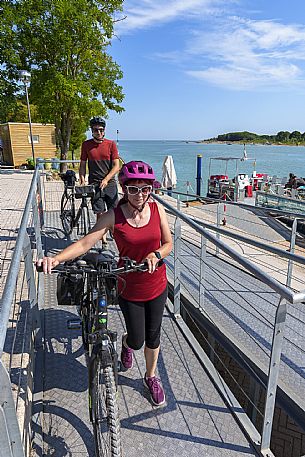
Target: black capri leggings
x,y
143,321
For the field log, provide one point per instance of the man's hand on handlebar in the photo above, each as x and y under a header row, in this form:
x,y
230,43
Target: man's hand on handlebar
x,y
47,263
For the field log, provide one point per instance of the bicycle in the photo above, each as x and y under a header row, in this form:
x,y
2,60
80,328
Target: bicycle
x,y
70,218
91,284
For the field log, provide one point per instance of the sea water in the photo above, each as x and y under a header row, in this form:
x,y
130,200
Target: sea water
x,y
273,160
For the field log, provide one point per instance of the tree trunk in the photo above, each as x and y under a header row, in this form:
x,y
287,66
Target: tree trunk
x,y
63,132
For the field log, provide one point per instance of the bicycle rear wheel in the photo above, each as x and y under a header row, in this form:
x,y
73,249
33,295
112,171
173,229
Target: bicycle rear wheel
x,y
105,413
67,213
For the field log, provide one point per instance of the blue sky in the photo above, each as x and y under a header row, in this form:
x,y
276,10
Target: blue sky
x,y
196,68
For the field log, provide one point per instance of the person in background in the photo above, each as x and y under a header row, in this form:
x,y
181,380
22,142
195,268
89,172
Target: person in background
x,y
103,163
290,183
140,229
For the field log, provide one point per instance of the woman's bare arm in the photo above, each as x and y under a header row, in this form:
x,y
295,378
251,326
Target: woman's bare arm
x,y
81,246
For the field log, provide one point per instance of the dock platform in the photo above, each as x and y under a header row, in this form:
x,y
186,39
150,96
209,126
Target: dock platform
x,y
195,420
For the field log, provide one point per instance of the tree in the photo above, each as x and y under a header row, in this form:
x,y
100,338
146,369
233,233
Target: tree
x,y
295,136
78,135
63,44
282,136
238,136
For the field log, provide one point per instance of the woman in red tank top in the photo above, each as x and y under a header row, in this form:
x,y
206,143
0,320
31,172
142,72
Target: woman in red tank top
x,y
141,232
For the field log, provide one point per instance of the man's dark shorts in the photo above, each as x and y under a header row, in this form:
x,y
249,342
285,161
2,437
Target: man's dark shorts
x,y
106,199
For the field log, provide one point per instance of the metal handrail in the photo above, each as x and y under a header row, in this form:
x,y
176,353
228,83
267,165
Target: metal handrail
x,y
10,285
239,204
280,252
282,290
285,293
10,437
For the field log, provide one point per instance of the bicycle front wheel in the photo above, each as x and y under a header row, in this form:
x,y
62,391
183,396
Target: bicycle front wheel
x,y
67,213
105,413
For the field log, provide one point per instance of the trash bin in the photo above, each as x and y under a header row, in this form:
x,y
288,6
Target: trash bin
x,y
47,165
55,163
249,191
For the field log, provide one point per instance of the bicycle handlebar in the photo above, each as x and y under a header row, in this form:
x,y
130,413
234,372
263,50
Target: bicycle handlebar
x,y
81,266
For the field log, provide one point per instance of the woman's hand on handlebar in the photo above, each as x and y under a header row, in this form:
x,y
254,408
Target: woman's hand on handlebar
x,y
47,263
152,262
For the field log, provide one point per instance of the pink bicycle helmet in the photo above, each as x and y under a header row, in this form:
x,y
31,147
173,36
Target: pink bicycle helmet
x,y
136,170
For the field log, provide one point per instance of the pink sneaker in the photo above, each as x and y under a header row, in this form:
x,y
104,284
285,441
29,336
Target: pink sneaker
x,y
126,356
156,390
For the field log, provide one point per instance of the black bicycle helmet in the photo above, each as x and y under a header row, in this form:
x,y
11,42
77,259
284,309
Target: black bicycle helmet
x,y
97,120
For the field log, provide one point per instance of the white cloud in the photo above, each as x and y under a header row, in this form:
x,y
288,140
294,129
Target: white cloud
x,y
151,13
242,78
226,51
243,54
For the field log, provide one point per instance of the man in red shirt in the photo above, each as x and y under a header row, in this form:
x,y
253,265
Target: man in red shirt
x,y
103,163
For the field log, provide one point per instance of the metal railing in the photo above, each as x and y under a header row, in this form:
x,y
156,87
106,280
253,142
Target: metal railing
x,y
285,293
28,241
280,203
267,209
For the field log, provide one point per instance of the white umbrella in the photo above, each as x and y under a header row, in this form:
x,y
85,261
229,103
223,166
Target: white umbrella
x,y
169,177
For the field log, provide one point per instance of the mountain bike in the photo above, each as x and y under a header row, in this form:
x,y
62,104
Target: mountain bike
x,y
70,218
91,284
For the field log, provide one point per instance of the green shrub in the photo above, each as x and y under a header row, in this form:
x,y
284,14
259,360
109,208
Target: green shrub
x,y
30,163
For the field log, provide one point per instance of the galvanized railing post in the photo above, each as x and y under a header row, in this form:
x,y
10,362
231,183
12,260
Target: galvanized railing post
x,y
39,201
218,225
10,439
203,253
177,263
29,270
274,368
292,246
36,202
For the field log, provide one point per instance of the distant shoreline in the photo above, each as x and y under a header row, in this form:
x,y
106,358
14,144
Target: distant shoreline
x,y
252,143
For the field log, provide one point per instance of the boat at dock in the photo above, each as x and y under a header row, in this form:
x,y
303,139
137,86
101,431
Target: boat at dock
x,y
241,185
259,188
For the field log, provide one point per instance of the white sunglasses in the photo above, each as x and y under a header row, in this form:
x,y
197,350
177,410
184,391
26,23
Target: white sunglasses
x,y
134,190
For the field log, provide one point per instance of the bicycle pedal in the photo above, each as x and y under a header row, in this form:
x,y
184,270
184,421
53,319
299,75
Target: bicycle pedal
x,y
74,324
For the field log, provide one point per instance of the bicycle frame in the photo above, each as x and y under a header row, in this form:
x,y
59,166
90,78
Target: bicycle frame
x,y
74,217
103,341
83,207
99,342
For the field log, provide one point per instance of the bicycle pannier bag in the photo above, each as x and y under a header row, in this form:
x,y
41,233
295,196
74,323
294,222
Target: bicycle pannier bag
x,y
84,191
69,290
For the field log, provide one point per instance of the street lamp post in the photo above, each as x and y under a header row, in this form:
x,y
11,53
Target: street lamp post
x,y
25,77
